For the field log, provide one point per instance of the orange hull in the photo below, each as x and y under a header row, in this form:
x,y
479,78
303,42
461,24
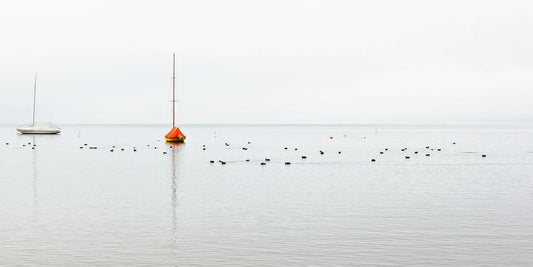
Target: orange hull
x,y
175,135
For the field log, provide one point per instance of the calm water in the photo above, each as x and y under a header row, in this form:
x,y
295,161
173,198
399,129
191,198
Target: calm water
x,y
65,206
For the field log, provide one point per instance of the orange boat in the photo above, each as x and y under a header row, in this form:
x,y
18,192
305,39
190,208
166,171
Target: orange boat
x,y
175,135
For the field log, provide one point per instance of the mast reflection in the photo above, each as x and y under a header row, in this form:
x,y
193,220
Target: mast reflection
x,y
35,196
175,149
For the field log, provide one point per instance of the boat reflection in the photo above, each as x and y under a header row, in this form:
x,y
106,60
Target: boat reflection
x,y
175,150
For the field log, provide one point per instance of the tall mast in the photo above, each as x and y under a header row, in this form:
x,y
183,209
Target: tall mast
x,y
34,92
173,90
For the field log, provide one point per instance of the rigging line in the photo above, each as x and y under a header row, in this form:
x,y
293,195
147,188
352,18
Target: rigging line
x,y
28,103
34,92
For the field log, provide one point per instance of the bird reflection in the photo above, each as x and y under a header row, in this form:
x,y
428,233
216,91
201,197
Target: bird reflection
x,y
175,150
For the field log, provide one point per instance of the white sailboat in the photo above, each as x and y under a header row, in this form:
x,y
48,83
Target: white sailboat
x,y
38,127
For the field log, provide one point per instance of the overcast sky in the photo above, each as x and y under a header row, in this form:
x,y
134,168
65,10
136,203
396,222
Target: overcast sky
x,y
305,61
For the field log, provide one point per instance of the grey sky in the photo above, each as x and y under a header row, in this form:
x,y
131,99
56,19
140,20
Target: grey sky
x,y
267,61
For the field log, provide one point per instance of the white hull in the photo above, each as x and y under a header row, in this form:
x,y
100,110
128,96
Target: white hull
x,y
39,129
30,131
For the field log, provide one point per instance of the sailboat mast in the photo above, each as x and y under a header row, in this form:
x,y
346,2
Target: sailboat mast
x,y
173,90
34,92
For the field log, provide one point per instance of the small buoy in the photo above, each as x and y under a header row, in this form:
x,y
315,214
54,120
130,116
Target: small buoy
x,y
483,156
263,163
427,155
267,159
304,157
381,152
407,157
211,161
331,137
373,160
287,163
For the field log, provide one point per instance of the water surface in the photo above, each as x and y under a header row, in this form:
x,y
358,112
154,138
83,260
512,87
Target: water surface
x,y
62,205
